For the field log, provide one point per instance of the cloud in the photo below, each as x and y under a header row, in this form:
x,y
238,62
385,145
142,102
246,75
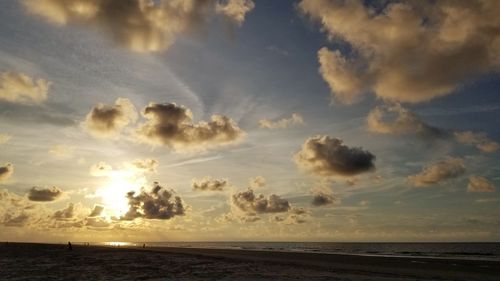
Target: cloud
x,y
446,169
44,194
100,169
295,216
249,218
20,88
19,211
296,119
351,181
14,209
4,138
345,84
295,219
16,220
480,184
62,151
6,172
257,182
323,197
66,213
290,219
209,184
235,10
397,120
96,222
325,156
145,165
96,211
157,203
171,125
406,51
109,120
139,25
248,202
480,140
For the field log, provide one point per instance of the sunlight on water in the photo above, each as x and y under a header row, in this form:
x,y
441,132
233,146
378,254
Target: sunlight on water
x,y
118,244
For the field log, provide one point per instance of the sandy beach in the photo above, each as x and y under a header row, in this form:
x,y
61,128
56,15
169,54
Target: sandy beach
x,y
55,262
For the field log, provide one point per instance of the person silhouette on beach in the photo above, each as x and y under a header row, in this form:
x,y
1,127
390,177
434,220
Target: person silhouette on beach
x,y
70,247
143,246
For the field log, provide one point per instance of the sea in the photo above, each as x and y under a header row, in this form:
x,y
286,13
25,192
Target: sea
x,y
455,250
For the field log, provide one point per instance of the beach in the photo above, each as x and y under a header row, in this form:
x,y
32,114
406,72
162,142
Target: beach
x,y
23,261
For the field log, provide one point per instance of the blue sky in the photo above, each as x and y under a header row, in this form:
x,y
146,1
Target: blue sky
x,y
264,67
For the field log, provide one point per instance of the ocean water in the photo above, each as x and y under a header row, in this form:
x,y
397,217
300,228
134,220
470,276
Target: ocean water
x,y
476,251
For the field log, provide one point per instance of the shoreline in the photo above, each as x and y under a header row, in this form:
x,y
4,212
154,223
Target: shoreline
x,y
445,255
217,264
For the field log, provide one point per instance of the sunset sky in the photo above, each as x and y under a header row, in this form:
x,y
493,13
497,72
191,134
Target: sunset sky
x,y
311,120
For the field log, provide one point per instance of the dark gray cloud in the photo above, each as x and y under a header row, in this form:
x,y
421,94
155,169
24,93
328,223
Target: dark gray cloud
x,y
109,120
209,184
325,156
449,168
322,198
171,125
248,202
40,194
6,172
158,203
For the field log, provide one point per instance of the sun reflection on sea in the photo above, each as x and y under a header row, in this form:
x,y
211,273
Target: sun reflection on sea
x,y
119,244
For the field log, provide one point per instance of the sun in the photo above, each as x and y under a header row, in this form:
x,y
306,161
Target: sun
x,y
114,193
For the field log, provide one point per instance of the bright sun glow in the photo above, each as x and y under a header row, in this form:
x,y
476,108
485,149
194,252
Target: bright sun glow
x,y
113,194
118,244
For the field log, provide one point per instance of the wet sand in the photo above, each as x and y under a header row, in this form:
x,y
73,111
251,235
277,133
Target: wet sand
x,y
55,262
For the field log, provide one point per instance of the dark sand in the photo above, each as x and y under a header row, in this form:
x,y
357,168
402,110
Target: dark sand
x,y
55,262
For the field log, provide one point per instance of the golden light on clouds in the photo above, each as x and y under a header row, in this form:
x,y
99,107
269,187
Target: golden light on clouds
x,y
409,51
143,119
140,25
117,184
20,88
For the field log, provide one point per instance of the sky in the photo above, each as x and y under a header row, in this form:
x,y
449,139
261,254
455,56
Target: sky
x,y
253,120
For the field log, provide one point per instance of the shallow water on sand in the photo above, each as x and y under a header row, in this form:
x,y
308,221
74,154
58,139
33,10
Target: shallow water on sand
x,y
475,251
